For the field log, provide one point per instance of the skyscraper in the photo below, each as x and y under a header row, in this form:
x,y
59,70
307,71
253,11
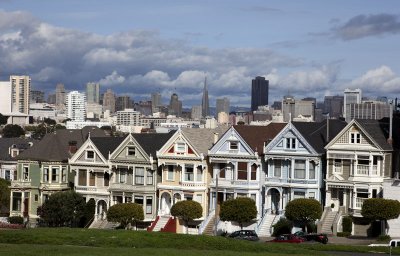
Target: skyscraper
x,y
350,97
155,102
205,109
123,102
60,95
109,101
222,105
175,105
20,91
259,92
93,92
37,96
76,106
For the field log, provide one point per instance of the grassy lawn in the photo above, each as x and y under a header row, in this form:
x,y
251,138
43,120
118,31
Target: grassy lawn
x,y
66,241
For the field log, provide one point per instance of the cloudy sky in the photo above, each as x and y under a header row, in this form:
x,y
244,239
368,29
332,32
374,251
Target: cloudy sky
x,y
305,48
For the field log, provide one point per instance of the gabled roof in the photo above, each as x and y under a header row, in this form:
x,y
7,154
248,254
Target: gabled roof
x,y
20,143
107,144
255,136
202,139
54,146
151,142
378,131
316,133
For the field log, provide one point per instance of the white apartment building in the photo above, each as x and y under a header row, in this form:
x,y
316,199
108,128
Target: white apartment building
x,y
351,96
76,106
20,91
5,97
128,117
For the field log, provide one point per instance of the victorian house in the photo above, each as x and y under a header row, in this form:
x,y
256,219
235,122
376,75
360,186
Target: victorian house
x,y
184,170
295,166
135,173
43,169
237,168
359,159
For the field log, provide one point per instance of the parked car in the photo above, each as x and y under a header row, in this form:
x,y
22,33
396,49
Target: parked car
x,y
318,237
249,235
288,238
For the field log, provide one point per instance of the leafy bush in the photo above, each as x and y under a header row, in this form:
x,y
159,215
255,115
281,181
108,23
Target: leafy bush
x,y
241,210
125,214
384,238
4,194
347,224
16,220
380,209
283,226
343,234
187,210
303,210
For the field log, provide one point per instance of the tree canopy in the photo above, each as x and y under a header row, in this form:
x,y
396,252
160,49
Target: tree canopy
x,y
380,209
241,210
63,209
187,210
125,214
3,119
13,130
4,195
303,210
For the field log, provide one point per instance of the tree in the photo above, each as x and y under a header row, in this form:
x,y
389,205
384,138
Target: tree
x,y
187,210
49,121
4,195
241,210
89,212
125,214
63,209
13,130
380,209
303,211
3,119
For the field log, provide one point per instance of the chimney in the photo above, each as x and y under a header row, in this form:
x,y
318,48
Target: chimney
x,y
216,137
72,148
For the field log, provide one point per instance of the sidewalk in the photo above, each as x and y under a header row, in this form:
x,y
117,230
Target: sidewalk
x,y
342,240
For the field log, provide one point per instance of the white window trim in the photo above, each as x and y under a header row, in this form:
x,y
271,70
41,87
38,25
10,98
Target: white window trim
x,y
86,155
173,174
236,143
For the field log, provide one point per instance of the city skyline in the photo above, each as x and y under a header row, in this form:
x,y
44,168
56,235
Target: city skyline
x,y
306,48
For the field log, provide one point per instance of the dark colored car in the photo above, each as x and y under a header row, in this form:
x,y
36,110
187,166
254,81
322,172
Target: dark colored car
x,y
289,238
249,235
318,237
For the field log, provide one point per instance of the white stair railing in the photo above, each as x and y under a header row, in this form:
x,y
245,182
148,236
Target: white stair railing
x,y
205,222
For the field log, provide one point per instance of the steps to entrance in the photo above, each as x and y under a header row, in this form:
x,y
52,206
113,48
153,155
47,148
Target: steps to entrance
x,y
103,224
328,222
269,221
209,230
162,221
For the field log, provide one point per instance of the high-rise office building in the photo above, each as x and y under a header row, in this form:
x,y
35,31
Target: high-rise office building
x,y
259,92
76,106
128,117
175,106
196,113
351,97
123,102
109,101
205,108
333,106
222,105
37,96
288,108
20,90
93,92
155,102
367,110
60,95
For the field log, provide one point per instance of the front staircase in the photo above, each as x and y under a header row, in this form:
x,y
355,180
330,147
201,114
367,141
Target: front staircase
x,y
161,222
265,228
209,229
103,224
327,222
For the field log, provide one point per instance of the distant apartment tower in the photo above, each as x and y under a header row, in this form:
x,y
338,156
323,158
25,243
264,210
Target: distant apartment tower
x,y
205,108
128,117
37,97
305,108
109,101
367,110
351,97
76,106
259,92
155,102
175,105
93,92
60,95
288,108
333,106
20,90
222,105
123,102
197,112
5,97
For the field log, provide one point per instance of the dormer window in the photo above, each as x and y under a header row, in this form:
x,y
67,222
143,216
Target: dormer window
x,y
355,138
290,143
14,152
233,145
89,154
131,151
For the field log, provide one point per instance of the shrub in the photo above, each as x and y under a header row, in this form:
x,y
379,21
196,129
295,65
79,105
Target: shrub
x,y
384,238
240,210
16,220
187,210
125,213
343,234
303,210
283,226
347,224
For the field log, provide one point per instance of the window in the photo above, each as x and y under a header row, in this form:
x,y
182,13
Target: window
x,y
7,175
222,167
253,174
149,204
300,169
311,195
242,171
199,198
362,192
311,170
64,174
106,179
299,194
233,145
355,137
139,200
149,180
180,147
170,175
82,178
290,143
25,173
16,201
131,151
128,199
199,174
188,197
277,168
188,174
36,197
139,175
337,168
55,174
253,197
92,179
46,174
89,154
122,176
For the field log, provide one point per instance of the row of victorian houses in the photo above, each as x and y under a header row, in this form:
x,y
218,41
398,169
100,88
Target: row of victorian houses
x,y
339,164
